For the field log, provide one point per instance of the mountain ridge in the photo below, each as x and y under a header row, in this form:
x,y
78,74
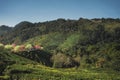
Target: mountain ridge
x,y
24,28
4,29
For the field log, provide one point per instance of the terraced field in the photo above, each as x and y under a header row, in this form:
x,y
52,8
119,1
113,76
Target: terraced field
x,y
40,72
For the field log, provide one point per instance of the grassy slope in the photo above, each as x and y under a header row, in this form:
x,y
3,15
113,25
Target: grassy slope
x,y
30,70
7,56
7,59
36,72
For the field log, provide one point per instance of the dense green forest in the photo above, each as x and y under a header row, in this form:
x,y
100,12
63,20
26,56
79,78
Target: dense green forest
x,y
4,29
79,47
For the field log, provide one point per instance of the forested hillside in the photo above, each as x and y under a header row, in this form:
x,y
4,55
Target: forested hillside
x,y
4,29
82,44
103,28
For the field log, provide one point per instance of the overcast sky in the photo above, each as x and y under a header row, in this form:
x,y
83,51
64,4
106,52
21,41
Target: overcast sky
x,y
14,11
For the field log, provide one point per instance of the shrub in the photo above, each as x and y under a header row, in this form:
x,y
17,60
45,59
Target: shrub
x,y
28,47
61,60
8,47
37,47
14,45
22,48
1,46
16,49
41,48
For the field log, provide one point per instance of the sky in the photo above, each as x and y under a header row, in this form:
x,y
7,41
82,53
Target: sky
x,y
14,11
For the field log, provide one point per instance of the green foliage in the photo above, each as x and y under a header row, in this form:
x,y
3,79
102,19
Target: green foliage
x,y
1,46
61,60
70,42
26,30
50,41
37,56
12,57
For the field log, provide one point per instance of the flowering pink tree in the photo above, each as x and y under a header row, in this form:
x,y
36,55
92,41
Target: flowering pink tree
x,y
19,48
13,45
37,47
22,48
